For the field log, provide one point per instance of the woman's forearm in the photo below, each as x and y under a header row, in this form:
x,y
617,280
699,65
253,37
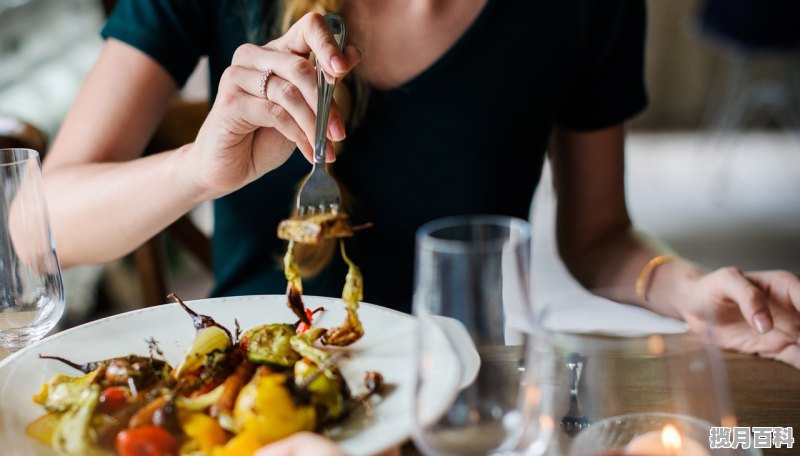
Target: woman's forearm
x,y
101,211
612,268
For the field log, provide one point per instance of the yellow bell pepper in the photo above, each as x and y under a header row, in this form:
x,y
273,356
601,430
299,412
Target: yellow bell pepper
x,y
44,427
266,409
204,430
244,444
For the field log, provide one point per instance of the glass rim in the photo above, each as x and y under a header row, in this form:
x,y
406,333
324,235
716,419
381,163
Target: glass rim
x,y
425,233
32,154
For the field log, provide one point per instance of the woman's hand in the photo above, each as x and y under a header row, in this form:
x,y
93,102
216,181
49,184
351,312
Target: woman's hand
x,y
755,312
304,443
300,444
247,134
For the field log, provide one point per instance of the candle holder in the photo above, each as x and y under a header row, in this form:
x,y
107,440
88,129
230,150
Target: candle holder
x,y
650,434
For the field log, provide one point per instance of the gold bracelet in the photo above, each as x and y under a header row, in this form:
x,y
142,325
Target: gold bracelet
x,y
643,280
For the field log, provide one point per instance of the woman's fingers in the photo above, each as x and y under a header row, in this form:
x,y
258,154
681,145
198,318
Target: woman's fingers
x,y
301,443
783,287
277,90
259,112
293,69
751,299
312,34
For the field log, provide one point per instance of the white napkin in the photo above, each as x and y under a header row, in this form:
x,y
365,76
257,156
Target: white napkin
x,y
562,303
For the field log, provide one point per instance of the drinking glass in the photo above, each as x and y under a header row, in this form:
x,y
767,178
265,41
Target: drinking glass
x,y
594,394
31,290
471,297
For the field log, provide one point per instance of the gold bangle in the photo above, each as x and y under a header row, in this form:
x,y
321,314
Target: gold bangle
x,y
643,280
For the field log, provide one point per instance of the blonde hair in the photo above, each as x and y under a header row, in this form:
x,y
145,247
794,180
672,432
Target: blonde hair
x,y
351,97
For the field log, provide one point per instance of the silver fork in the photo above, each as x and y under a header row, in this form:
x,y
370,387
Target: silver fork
x,y
320,192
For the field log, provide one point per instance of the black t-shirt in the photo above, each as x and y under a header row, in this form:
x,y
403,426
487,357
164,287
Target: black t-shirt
x,y
465,136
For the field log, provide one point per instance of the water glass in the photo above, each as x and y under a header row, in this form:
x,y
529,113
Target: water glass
x,y
31,290
602,394
471,298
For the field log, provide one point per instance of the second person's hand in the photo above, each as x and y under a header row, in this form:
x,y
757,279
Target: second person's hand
x,y
754,312
254,124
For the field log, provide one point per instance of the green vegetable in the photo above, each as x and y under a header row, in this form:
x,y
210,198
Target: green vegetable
x,y
62,391
73,434
304,345
271,344
325,390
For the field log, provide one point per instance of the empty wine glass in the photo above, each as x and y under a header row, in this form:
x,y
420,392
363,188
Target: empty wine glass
x,y
644,394
31,290
471,297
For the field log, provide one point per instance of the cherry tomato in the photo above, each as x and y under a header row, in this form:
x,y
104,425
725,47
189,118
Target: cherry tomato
x,y
112,399
148,440
302,327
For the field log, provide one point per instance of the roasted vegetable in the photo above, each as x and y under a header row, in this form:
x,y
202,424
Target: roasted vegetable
x,y
231,388
266,408
244,444
113,399
315,228
44,427
294,285
135,371
304,345
271,344
74,435
326,392
202,431
352,294
63,392
147,441
206,343
199,402
200,321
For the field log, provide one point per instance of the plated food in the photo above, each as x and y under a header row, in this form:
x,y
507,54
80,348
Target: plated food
x,y
232,393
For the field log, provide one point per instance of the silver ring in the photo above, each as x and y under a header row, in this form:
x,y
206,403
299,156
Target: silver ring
x,y
262,84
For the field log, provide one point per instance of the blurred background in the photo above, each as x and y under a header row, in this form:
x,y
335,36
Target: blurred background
x,y
713,163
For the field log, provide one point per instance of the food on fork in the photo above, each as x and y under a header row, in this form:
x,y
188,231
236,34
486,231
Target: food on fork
x,y
312,230
315,228
231,394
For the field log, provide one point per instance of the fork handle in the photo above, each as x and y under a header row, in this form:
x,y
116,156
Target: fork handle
x,y
325,90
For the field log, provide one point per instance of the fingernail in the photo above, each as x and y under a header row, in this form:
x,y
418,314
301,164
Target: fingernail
x,y
330,153
338,64
337,130
762,322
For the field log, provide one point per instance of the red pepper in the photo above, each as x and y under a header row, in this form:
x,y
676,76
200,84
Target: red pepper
x,y
112,399
148,440
302,327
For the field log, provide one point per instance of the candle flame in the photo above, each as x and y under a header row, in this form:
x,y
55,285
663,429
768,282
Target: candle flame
x,y
671,438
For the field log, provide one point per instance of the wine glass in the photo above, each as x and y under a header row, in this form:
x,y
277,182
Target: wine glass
x,y
471,297
653,393
31,290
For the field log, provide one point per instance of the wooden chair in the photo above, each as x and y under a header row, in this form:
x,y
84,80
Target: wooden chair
x,y
15,132
179,126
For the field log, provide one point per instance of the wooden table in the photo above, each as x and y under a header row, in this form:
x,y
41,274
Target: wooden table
x,y
764,393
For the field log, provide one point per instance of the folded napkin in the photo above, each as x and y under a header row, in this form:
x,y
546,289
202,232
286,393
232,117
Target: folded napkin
x,y
563,304
586,314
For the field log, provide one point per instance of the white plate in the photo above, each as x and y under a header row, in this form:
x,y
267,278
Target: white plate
x,y
387,347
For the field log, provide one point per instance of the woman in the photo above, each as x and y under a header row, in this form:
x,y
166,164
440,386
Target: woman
x,y
462,100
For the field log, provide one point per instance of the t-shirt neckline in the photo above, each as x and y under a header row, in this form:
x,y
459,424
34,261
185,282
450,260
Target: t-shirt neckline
x,y
431,70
